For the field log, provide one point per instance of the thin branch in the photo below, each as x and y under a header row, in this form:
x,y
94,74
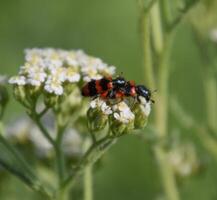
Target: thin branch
x,y
182,15
90,157
60,159
43,112
45,132
150,5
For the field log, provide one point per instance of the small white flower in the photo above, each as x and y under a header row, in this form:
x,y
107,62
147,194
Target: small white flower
x,y
90,73
59,73
71,75
145,106
109,70
53,85
123,113
17,80
70,59
36,76
99,103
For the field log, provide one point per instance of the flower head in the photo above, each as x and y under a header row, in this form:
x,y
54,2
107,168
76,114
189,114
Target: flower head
x,y
52,68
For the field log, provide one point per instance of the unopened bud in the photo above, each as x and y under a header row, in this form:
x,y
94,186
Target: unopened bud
x,y
4,97
141,118
19,93
97,120
119,128
50,100
122,120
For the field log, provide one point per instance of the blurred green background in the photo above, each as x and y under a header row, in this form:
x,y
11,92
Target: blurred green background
x,y
107,29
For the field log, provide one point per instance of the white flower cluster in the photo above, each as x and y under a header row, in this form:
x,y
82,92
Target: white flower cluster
x,y
121,111
51,68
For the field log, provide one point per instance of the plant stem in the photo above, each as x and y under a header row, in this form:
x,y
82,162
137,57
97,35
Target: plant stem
x,y
57,145
210,88
60,160
146,46
156,28
87,177
95,152
161,106
169,182
88,189
44,131
161,121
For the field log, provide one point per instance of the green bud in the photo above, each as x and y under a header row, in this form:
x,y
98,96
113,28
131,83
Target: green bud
x,y
96,119
140,117
119,128
50,100
19,93
4,97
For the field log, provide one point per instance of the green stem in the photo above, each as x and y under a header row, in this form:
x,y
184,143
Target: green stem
x,y
168,178
88,189
44,131
95,152
60,160
60,164
87,177
210,88
156,28
146,46
161,106
161,114
57,145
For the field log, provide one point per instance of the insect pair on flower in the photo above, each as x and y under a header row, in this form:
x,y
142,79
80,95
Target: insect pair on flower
x,y
111,104
118,88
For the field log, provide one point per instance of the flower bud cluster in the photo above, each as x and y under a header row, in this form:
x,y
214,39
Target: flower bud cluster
x,y
121,117
57,75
